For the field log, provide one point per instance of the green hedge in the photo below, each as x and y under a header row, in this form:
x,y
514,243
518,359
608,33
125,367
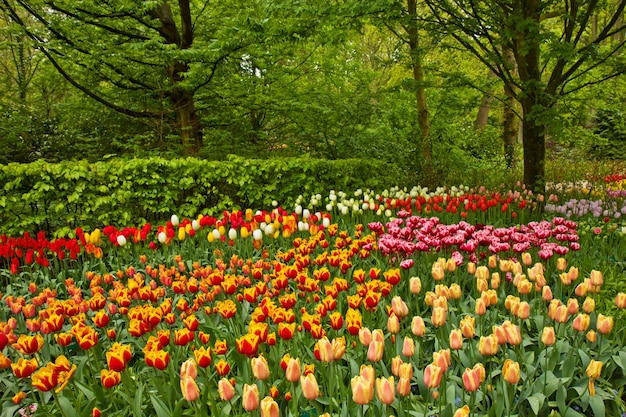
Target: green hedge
x,y
59,197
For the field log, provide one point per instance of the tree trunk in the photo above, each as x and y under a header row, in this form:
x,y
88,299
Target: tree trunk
x,y
482,117
188,123
509,119
423,115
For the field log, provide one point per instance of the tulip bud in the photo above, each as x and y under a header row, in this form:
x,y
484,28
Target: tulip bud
x,y
456,339
225,389
548,336
260,368
250,397
511,371
310,389
189,388
594,369
385,390
408,347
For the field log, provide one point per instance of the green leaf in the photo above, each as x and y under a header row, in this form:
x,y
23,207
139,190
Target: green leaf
x,y
561,397
66,406
536,402
160,407
597,405
137,401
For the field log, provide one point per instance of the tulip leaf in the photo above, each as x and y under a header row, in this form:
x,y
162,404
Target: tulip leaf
x,y
138,401
622,356
597,405
160,407
536,402
561,398
66,406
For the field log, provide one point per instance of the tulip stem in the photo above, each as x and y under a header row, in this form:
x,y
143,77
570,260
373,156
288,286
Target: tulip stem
x,y
426,402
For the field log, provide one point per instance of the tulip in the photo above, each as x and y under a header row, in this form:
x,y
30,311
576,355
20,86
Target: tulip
x,y
269,407
24,368
27,345
548,336
18,398
396,362
385,390
225,389
594,369
418,327
408,347
481,307
456,339
488,345
362,390
189,388
250,397
439,317
511,371
260,368
546,293
189,368
620,300
222,367
310,389
589,305
581,322
393,324
203,356
432,376
512,333
404,387
572,306
46,378
110,378
405,371
292,372
591,336
248,344
339,347
471,379
325,349
375,351
365,336
367,372
462,412
118,356
286,330
468,325
604,324
415,285
399,307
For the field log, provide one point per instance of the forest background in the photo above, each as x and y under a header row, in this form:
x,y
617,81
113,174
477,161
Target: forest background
x,y
446,90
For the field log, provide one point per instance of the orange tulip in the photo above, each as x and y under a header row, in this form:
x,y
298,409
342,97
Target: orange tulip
x,y
404,387
385,390
118,356
269,407
468,326
408,347
511,371
589,305
441,358
19,397
250,397
292,372
86,337
189,368
418,327
183,336
471,379
439,316
110,378
339,347
415,285
591,336
393,323
432,376
548,337
5,362
260,368
399,307
456,339
512,333
365,336
362,390
604,324
310,389
462,412
396,361
594,369
324,349
286,330
488,345
222,367
189,388
375,351
581,322
158,359
620,300
225,389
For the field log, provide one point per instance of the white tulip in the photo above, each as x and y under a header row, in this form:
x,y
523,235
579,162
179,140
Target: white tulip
x,y
121,240
174,220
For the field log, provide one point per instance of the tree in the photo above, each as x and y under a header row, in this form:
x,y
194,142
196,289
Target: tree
x,y
553,48
133,55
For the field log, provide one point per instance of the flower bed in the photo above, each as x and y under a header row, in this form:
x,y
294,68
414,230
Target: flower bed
x,y
364,309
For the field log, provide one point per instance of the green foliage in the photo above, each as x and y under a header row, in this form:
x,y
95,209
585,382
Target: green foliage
x,y
610,127
60,197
